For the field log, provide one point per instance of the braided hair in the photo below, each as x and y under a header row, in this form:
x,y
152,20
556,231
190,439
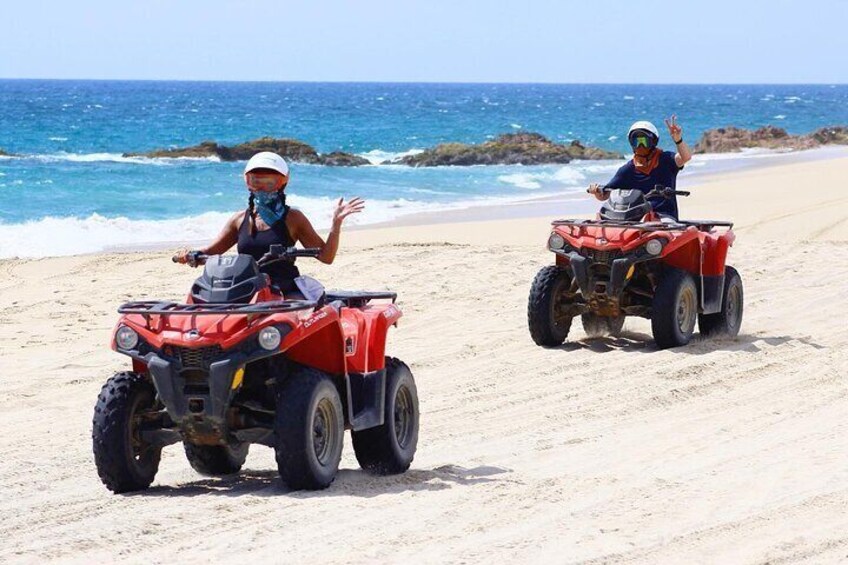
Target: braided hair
x,y
251,209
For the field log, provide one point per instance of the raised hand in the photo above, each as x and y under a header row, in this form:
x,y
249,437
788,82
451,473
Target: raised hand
x,y
674,129
344,209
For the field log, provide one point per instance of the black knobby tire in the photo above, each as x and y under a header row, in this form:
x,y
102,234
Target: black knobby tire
x,y
216,460
729,319
124,462
309,428
674,309
599,326
390,448
548,328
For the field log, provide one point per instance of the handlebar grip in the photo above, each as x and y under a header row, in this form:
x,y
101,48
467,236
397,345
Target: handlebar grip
x,y
682,192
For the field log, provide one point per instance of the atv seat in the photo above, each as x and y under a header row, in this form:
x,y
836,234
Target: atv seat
x,y
358,298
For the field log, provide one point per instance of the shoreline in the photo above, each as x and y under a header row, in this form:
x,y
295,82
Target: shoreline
x,y
537,207
706,170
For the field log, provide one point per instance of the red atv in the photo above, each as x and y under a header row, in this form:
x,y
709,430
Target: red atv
x,y
240,364
631,262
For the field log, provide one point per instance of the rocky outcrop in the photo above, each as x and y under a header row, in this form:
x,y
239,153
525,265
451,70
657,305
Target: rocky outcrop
x,y
730,139
507,149
342,159
4,154
835,135
291,149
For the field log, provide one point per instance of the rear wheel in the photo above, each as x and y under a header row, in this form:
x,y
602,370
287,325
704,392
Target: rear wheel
x,y
729,319
548,314
216,460
309,425
390,448
125,462
599,326
675,309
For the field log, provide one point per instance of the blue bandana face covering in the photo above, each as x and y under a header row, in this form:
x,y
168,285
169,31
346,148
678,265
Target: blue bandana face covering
x,y
271,206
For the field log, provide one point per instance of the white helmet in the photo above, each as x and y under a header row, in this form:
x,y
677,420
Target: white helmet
x,y
644,125
267,160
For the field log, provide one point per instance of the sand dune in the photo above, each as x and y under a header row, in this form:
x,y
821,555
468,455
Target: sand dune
x,y
601,450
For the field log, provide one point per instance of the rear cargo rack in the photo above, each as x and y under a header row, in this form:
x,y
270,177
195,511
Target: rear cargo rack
x,y
703,225
359,298
164,308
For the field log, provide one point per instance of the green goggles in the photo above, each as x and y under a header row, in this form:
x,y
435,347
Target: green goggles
x,y
641,140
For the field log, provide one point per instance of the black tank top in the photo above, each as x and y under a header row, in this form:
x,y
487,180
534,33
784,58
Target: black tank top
x,y
260,242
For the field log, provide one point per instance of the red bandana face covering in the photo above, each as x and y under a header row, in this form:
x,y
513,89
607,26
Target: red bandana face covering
x,y
645,162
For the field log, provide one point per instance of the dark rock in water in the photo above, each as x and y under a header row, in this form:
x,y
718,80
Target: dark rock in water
x,y
4,154
507,149
291,149
342,159
835,135
205,149
724,140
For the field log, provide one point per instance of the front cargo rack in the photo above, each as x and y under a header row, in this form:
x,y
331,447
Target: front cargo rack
x,y
701,225
164,308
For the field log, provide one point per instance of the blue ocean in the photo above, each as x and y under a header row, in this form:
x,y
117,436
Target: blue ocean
x,y
69,190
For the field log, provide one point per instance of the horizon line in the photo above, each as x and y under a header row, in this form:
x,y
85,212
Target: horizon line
x,y
398,82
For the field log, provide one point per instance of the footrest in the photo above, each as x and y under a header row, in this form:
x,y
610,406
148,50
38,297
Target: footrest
x,y
358,298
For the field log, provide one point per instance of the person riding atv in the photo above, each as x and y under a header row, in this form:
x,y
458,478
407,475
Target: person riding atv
x,y
650,165
267,175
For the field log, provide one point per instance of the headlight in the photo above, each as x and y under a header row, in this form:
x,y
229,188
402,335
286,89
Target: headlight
x,y
556,241
654,246
126,338
269,338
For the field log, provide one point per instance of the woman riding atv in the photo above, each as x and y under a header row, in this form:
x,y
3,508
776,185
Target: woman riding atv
x,y
650,165
266,175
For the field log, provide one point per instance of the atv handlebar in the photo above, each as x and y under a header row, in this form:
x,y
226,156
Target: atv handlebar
x,y
195,258
658,191
275,254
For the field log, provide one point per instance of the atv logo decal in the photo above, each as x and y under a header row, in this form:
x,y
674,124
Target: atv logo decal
x,y
601,241
315,318
390,312
192,335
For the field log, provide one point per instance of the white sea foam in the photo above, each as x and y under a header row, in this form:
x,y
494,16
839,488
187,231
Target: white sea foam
x,y
378,156
568,175
114,158
58,138
72,236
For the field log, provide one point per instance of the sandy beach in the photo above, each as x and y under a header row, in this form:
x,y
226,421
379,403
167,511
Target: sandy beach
x,y
608,450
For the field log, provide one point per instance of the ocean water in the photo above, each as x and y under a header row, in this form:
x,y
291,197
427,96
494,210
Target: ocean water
x,y
71,191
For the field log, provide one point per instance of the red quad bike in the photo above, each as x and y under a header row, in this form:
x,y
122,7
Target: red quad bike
x,y
630,262
240,364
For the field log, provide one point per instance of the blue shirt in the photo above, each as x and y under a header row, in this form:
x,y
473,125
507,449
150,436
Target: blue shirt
x,y
665,174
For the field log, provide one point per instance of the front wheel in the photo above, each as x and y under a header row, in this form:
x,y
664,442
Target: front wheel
x,y
309,425
216,460
548,315
675,309
729,319
125,461
390,448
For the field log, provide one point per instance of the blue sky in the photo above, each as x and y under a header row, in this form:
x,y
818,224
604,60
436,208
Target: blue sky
x,y
637,41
